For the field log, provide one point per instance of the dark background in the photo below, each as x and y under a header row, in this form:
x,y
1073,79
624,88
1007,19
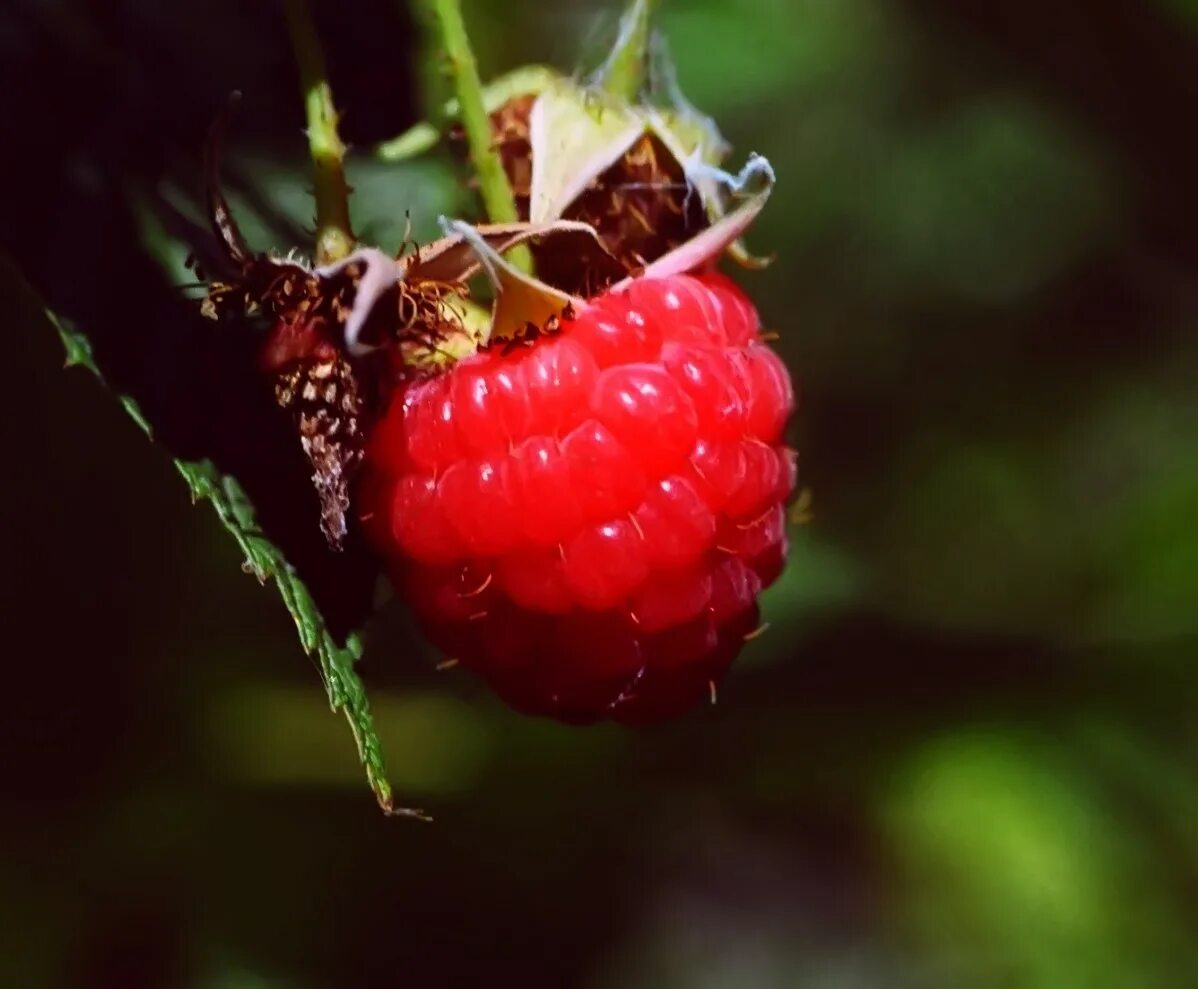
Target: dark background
x,y
963,756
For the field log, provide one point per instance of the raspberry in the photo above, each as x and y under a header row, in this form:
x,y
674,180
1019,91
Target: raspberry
x,y
586,520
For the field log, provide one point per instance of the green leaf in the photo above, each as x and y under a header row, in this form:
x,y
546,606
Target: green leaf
x,y
345,690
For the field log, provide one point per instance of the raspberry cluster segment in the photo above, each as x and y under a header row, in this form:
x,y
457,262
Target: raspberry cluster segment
x,y
586,520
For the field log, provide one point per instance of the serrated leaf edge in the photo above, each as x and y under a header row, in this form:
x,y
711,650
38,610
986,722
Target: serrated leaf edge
x,y
344,687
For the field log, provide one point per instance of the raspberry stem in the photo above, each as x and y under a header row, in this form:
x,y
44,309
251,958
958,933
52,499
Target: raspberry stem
x,y
528,80
623,74
334,236
498,198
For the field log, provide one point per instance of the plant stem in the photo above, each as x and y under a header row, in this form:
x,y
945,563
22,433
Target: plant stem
x,y
498,199
528,80
623,74
334,237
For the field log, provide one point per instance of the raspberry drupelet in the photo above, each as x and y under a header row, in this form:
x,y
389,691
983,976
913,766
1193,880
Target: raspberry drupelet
x,y
586,520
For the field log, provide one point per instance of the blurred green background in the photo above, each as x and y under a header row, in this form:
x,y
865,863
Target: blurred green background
x,y
963,757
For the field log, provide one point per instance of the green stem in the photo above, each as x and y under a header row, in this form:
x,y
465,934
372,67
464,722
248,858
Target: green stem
x,y
528,80
334,237
498,199
623,74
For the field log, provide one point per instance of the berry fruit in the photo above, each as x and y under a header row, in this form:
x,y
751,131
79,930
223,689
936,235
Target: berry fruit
x,y
586,519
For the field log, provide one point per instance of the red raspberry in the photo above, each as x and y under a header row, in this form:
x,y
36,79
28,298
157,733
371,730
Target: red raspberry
x,y
586,522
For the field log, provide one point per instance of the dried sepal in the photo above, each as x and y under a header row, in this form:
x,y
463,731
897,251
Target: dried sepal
x,y
623,151
575,134
439,273
755,183
523,305
644,175
455,257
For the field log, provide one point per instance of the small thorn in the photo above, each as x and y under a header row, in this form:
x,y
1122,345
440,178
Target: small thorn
x,y
713,692
636,525
478,616
482,587
252,569
633,618
446,664
758,632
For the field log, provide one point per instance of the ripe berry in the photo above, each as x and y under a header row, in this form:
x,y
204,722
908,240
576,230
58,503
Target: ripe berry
x,y
586,521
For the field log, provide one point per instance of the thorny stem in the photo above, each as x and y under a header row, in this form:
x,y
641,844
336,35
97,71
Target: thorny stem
x,y
623,74
334,237
498,199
